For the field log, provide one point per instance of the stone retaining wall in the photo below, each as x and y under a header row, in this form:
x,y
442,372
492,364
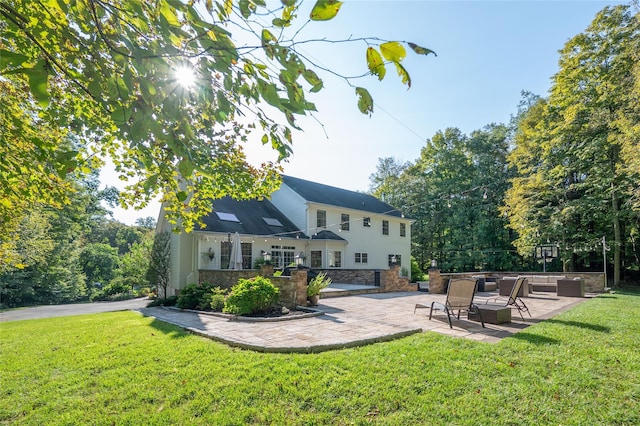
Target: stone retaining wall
x,y
389,279
293,289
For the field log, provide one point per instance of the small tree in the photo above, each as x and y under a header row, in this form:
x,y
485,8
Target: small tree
x,y
158,272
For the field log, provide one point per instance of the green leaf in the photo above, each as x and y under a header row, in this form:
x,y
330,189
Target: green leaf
x,y
365,101
289,2
224,106
325,10
168,14
269,93
181,196
10,58
246,8
267,39
278,22
375,63
421,50
404,75
312,78
393,51
38,83
186,168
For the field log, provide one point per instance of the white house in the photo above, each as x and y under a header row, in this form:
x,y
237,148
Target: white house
x,y
328,227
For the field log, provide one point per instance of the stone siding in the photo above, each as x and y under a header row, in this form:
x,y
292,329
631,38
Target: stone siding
x,y
351,276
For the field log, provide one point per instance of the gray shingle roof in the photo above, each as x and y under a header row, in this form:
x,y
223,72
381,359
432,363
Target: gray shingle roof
x,y
327,235
251,215
330,195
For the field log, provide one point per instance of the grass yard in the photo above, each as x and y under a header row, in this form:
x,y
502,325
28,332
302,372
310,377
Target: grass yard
x,y
579,368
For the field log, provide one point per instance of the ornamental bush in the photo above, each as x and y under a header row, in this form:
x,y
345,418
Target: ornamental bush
x,y
195,296
217,297
251,296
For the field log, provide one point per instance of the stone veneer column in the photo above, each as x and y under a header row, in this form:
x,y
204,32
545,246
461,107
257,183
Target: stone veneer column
x,y
299,280
266,270
436,283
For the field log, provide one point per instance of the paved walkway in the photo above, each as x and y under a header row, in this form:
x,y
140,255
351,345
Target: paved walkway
x,y
358,320
50,311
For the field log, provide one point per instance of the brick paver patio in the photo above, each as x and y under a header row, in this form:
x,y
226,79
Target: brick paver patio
x,y
357,320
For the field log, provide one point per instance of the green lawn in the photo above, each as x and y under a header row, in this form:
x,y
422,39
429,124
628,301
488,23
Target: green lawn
x,y
581,368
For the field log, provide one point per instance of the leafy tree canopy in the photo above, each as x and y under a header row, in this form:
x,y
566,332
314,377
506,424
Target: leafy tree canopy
x,y
573,150
169,89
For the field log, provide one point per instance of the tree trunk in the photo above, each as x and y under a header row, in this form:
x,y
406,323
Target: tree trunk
x,y
617,239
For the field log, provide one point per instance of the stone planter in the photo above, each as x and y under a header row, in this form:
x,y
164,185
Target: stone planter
x,y
313,300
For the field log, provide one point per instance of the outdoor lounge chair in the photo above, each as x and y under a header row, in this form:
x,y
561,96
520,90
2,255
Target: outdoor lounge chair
x,y
513,300
459,297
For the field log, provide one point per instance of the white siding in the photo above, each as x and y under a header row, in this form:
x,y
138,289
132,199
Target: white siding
x,y
292,205
361,239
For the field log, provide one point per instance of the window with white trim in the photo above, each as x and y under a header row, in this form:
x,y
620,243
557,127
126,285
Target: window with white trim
x,y
283,255
321,218
344,222
335,259
395,259
316,258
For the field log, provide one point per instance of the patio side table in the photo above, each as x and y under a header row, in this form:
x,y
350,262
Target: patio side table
x,y
492,314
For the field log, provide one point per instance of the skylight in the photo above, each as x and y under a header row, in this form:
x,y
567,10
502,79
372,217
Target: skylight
x,y
227,217
271,221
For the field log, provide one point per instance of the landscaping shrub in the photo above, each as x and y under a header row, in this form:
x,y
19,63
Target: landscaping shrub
x,y
169,301
251,296
195,296
217,298
143,292
117,289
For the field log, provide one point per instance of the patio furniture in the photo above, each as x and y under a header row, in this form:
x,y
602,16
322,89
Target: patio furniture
x,y
480,280
490,283
514,300
459,297
506,284
485,284
571,288
493,314
544,283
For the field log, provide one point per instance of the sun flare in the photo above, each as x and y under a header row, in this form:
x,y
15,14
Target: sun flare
x,y
185,76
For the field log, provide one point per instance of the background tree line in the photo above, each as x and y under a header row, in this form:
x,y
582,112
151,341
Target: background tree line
x,y
77,252
564,171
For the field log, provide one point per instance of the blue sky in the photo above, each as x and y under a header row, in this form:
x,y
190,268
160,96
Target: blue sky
x,y
488,53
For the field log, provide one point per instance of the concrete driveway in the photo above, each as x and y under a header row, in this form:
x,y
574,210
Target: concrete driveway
x,y
50,311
